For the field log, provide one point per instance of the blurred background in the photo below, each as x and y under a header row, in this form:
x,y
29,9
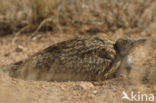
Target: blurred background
x,y
76,16
28,26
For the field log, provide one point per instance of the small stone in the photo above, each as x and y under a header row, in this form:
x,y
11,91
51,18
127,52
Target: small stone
x,y
19,48
95,91
38,36
86,85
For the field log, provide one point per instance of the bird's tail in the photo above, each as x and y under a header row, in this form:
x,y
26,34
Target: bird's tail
x,y
10,69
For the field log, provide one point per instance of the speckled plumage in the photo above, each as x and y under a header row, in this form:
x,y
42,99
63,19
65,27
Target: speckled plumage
x,y
88,58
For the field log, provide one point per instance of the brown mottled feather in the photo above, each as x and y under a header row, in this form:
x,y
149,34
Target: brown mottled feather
x,y
82,58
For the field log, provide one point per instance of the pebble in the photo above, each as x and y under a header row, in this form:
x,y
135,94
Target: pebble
x,y
85,85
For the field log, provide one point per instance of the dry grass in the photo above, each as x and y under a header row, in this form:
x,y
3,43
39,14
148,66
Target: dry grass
x,y
76,15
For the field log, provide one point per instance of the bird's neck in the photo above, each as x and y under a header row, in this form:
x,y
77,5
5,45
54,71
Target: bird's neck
x,y
125,66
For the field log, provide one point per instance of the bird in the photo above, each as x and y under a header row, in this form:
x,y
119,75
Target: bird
x,y
83,58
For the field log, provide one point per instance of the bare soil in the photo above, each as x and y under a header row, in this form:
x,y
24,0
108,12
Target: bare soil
x,y
13,90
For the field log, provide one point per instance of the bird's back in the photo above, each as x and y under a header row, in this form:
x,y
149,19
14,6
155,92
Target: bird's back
x,y
82,58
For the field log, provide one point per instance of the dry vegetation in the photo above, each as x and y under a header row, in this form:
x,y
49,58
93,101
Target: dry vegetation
x,y
75,15
109,18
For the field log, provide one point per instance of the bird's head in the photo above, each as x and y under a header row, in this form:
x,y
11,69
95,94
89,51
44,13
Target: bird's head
x,y
124,46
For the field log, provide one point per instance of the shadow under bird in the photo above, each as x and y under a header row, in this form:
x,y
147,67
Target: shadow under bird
x,y
88,58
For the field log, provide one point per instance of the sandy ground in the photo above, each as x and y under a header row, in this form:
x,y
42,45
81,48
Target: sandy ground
x,y
109,91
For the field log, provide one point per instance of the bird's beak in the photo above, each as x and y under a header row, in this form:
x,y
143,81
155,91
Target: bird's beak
x,y
134,44
140,41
